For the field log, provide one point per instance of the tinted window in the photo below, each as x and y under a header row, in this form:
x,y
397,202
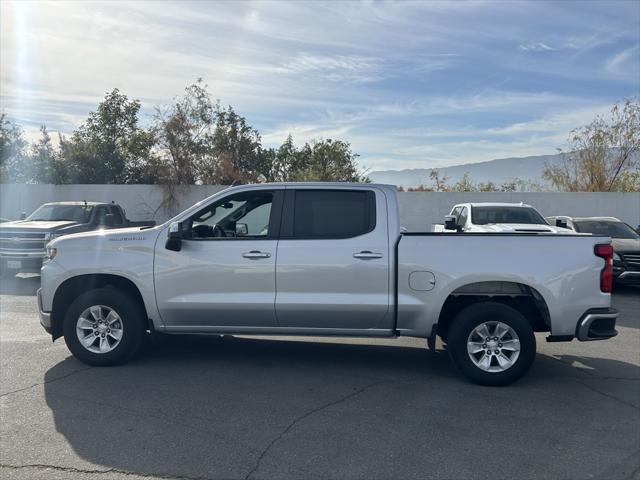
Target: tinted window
x,y
486,215
333,213
76,213
101,215
117,216
610,229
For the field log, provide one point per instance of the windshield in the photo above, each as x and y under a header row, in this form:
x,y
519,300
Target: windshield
x,y
497,214
75,213
603,227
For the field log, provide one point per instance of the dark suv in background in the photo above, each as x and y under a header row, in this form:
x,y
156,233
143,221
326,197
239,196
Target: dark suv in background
x,y
626,243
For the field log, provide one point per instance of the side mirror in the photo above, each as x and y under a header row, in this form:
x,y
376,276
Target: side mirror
x,y
450,222
23,215
561,222
174,237
242,230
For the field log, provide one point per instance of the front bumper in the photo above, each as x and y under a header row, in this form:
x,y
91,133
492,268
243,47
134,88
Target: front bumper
x,y
22,261
45,317
597,324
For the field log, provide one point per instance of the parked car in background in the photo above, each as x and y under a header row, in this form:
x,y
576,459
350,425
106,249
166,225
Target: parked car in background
x,y
22,242
326,259
497,218
625,240
2,220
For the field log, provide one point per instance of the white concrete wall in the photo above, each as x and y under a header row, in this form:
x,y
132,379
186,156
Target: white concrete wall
x,y
417,210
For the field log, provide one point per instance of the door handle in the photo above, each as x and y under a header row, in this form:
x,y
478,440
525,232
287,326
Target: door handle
x,y
367,255
255,254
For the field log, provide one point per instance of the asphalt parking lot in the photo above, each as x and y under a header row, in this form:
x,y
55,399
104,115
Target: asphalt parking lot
x,y
238,408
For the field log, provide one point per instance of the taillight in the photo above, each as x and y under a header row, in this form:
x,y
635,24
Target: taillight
x,y
606,274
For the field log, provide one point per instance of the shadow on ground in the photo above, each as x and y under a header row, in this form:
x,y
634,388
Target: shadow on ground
x,y
22,285
227,407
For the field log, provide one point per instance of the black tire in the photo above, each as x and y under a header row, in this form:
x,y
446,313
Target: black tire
x,y
133,326
471,317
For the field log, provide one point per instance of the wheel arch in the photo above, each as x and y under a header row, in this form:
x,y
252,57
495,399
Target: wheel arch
x,y
73,287
520,296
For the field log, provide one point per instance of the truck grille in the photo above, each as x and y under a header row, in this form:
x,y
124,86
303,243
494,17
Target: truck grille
x,y
632,260
19,241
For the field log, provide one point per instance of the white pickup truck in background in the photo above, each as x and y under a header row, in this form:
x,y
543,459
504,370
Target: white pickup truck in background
x,y
497,218
326,259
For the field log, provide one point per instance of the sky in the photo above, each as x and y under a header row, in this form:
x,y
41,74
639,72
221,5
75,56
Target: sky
x,y
408,84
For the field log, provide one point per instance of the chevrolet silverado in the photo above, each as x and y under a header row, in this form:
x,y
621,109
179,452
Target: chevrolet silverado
x,y
326,259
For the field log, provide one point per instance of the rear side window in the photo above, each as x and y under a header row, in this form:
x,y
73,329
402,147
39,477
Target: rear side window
x,y
333,213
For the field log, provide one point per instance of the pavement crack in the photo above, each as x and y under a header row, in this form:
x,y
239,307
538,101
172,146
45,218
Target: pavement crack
x,y
298,419
45,383
613,397
41,466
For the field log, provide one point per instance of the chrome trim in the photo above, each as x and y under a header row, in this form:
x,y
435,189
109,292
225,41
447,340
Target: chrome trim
x,y
583,329
629,274
17,254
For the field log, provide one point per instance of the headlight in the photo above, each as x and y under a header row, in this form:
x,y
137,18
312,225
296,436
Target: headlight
x,y
616,256
48,237
51,253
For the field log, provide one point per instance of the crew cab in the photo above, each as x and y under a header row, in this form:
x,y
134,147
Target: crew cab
x,y
326,259
625,242
22,242
497,218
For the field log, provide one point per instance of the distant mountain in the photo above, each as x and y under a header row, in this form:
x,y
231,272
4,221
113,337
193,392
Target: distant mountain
x,y
497,171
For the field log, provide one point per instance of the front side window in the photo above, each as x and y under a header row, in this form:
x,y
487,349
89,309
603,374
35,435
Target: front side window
x,y
333,213
241,215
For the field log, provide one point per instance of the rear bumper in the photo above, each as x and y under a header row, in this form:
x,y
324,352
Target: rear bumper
x,y
628,277
597,324
45,317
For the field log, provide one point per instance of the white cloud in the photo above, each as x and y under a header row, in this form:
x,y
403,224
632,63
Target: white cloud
x,y
625,62
536,47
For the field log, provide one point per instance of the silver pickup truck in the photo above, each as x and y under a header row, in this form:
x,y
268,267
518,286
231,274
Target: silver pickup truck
x,y
326,259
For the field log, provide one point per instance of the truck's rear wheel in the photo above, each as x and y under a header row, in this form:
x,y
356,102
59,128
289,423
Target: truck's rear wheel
x,y
104,327
491,343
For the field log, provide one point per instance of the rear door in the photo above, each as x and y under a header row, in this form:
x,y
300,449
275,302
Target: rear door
x,y
332,269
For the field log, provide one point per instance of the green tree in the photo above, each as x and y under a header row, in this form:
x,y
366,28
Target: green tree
x,y
43,159
109,147
184,137
236,146
603,155
326,161
14,158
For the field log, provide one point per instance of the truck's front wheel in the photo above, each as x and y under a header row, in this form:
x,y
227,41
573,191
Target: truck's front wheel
x,y
491,343
104,327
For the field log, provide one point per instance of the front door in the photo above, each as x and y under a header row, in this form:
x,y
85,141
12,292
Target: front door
x,y
224,274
